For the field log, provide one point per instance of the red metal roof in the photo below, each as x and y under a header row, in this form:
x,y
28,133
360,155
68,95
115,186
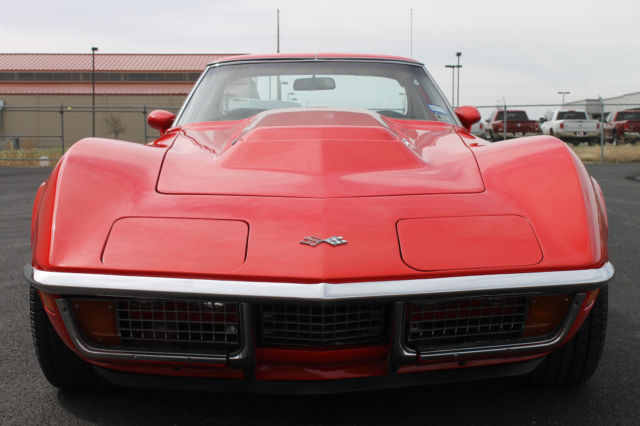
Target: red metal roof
x,y
101,88
143,62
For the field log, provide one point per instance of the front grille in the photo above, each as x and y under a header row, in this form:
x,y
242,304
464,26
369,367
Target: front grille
x,y
178,325
462,322
322,325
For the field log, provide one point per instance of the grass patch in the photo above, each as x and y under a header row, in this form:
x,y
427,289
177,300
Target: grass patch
x,y
624,153
30,157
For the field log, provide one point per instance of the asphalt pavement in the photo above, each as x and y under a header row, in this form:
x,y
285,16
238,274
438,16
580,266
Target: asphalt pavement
x,y
612,396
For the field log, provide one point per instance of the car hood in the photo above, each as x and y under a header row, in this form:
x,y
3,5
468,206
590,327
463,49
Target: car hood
x,y
319,153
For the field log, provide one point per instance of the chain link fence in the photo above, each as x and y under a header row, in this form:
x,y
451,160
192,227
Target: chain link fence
x,y
39,135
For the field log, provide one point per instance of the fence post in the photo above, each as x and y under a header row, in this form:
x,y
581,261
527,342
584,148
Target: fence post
x,y
144,123
601,131
504,130
61,130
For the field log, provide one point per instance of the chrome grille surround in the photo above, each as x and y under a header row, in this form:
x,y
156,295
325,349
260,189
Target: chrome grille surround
x,y
450,323
323,325
165,351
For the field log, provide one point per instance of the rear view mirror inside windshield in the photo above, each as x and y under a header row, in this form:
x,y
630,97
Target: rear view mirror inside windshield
x,y
314,83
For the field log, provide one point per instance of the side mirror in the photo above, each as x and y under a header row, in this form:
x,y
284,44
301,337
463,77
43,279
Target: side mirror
x,y
468,116
161,120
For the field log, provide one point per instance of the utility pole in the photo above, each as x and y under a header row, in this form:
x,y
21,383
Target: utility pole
x,y
279,86
453,83
455,103
93,91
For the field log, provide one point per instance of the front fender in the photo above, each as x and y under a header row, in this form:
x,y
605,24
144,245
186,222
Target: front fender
x,y
551,185
88,188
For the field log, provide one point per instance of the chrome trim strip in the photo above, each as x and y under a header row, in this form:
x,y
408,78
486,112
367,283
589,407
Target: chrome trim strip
x,y
123,353
233,60
103,284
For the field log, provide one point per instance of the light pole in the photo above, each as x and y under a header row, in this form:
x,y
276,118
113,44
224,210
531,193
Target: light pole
x,y
563,93
277,30
453,83
411,37
93,91
458,54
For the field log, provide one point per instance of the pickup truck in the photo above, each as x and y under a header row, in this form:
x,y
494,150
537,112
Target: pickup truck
x,y
571,126
622,126
518,125
478,129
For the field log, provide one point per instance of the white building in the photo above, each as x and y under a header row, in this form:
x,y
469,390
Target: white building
x,y
595,107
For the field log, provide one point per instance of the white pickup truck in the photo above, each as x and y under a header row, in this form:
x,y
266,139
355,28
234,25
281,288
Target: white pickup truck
x,y
571,126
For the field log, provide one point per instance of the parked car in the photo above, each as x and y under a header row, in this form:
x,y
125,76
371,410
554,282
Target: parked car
x,y
571,126
518,125
622,126
363,240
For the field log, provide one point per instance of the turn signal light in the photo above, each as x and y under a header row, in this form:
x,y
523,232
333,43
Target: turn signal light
x,y
96,321
546,314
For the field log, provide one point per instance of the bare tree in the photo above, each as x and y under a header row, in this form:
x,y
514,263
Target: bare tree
x,y
114,125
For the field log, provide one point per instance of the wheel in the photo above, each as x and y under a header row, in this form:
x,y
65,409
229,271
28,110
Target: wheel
x,y
576,361
62,368
550,132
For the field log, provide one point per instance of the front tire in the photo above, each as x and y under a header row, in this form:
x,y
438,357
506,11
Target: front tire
x,y
62,368
576,361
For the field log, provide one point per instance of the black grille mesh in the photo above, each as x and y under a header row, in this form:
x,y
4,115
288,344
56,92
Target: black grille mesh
x,y
180,325
325,325
459,322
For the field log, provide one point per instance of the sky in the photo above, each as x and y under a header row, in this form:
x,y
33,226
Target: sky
x,y
520,51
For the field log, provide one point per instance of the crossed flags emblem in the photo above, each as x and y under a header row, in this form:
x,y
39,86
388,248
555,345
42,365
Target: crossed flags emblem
x,y
314,241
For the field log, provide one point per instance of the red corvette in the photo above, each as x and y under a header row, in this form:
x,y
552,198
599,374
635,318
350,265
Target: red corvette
x,y
317,223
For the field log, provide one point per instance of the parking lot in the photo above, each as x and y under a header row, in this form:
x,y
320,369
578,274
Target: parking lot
x,y
611,397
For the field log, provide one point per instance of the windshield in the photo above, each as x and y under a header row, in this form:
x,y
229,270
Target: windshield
x,y
237,91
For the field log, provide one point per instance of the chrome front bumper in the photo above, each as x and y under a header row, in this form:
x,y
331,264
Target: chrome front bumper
x,y
118,285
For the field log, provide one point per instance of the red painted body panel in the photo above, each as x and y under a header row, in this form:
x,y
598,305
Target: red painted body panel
x,y
127,173
143,242
357,157
427,244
